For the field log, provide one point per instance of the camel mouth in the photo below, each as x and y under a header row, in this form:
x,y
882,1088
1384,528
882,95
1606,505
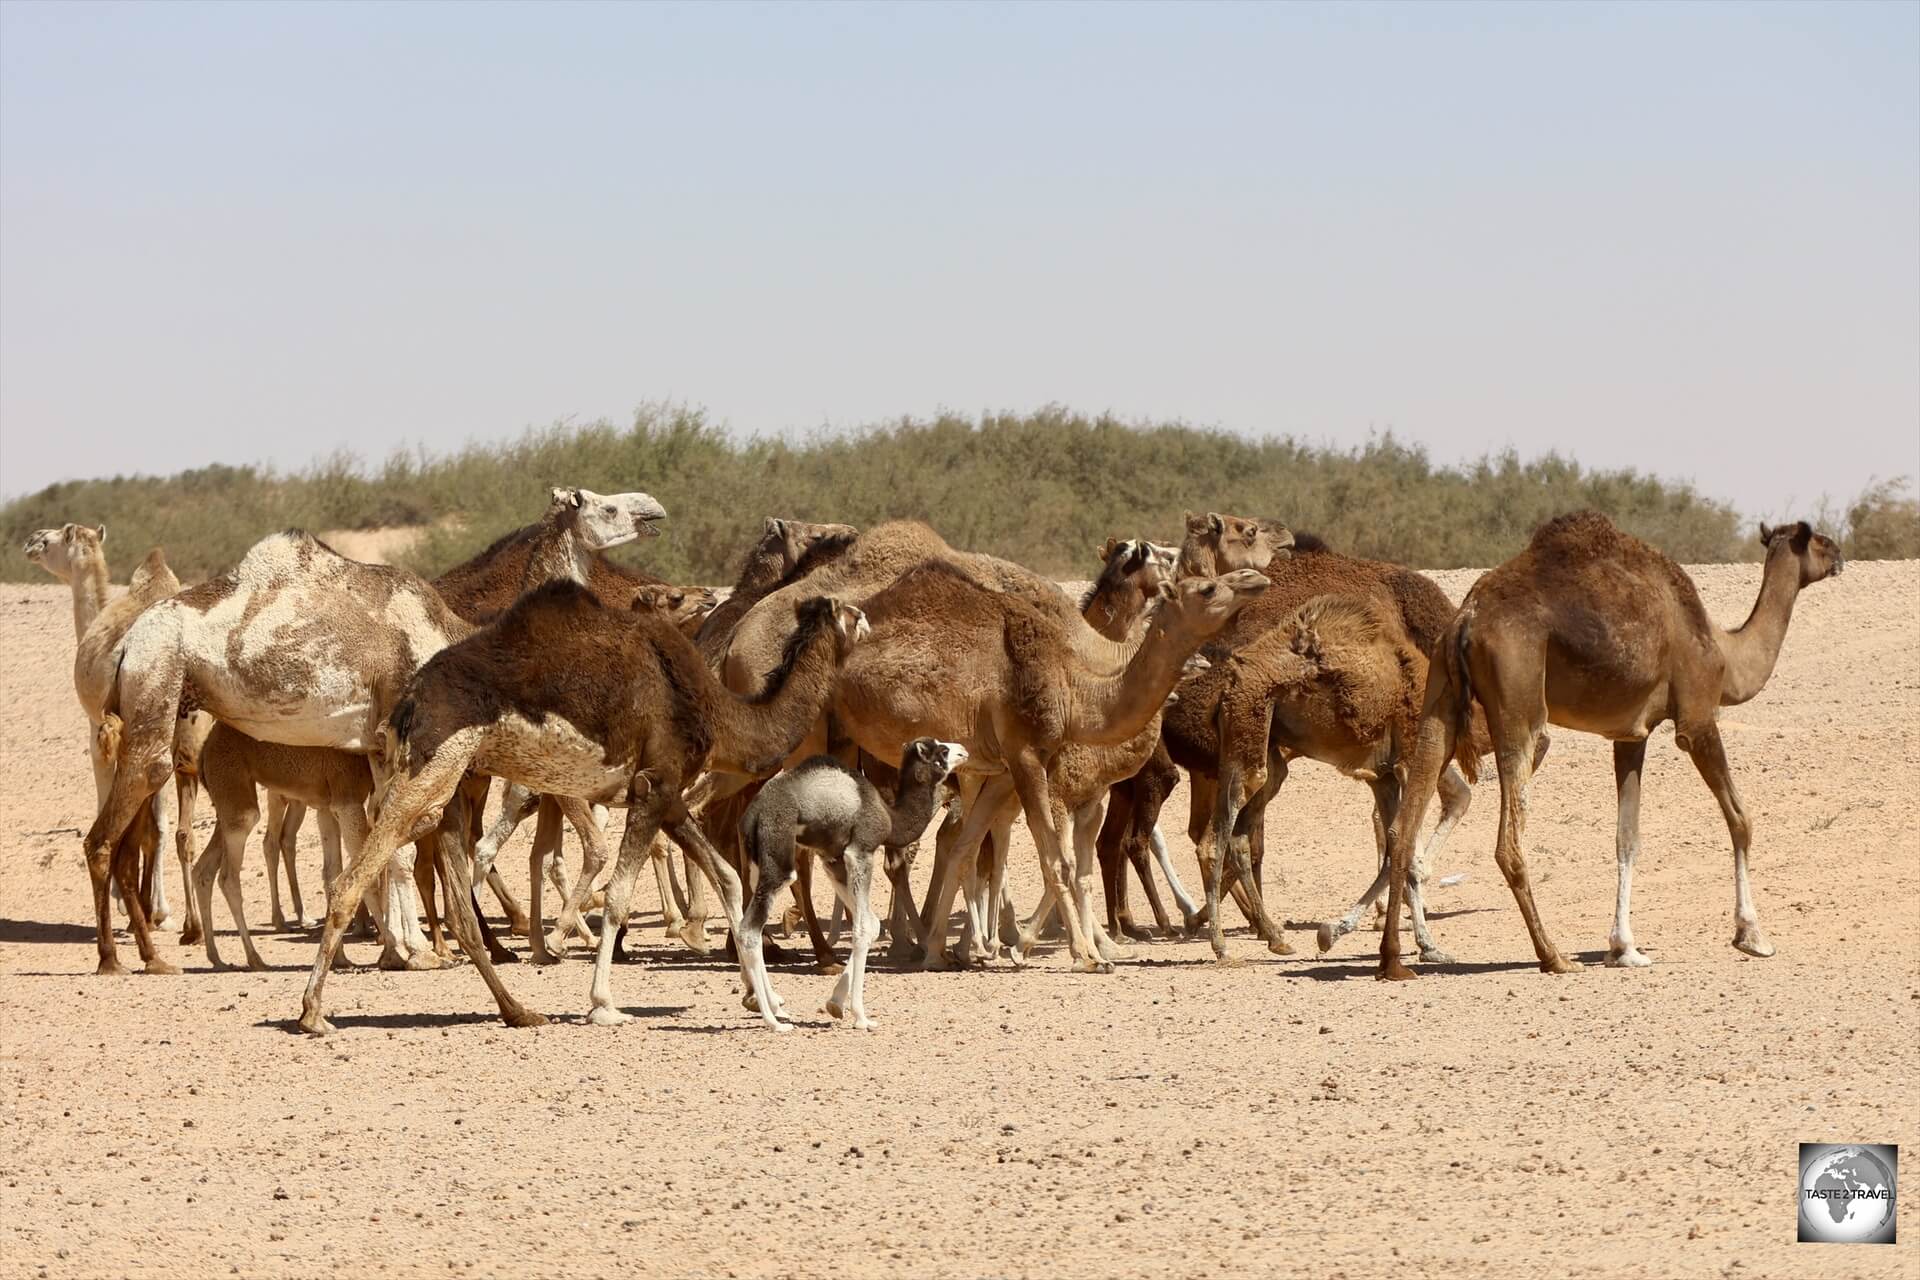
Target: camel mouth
x,y
643,525
36,546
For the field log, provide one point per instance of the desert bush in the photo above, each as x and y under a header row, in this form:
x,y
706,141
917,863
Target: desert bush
x,y
1042,488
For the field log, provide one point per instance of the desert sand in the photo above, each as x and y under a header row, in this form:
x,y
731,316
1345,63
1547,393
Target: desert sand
x,y
1175,1118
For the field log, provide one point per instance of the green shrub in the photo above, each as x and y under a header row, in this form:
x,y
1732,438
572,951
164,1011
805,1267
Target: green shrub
x,y
1042,488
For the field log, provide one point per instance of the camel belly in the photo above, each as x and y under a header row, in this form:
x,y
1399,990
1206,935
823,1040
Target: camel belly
x,y
552,757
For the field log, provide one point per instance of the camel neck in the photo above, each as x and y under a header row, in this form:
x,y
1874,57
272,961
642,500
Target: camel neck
x,y
1111,709
760,574
90,592
1751,650
753,736
910,813
557,556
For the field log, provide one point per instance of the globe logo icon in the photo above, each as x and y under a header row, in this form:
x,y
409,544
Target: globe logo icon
x,y
1847,1195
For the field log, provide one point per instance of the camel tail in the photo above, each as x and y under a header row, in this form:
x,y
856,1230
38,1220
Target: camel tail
x,y
1458,673
107,737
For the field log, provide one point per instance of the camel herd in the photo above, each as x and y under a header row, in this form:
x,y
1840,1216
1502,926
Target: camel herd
x,y
850,686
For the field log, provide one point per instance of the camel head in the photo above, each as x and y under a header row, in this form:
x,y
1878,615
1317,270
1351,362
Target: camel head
x,y
607,519
794,538
849,624
1136,563
680,604
1218,543
1819,556
60,551
1202,606
930,760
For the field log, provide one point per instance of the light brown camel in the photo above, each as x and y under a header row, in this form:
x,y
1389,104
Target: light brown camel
x,y
786,549
685,607
572,698
76,554
1215,544
1595,630
878,557
335,784
1133,577
296,644
954,659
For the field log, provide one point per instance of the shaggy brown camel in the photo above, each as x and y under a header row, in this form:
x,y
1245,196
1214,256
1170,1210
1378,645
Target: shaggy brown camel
x,y
1309,568
954,659
296,644
574,699
1592,629
1338,682
1216,544
76,554
686,607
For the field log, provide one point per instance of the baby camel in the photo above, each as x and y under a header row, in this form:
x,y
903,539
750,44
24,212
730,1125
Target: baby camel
x,y
833,810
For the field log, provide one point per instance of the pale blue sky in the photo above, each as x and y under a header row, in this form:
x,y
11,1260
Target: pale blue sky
x,y
1684,237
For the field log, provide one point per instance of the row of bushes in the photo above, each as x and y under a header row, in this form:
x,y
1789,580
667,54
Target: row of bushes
x,y
1042,488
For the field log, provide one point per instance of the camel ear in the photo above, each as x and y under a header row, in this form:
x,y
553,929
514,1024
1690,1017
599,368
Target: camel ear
x,y
1107,549
66,531
775,528
567,497
100,531
1215,524
1195,524
1766,534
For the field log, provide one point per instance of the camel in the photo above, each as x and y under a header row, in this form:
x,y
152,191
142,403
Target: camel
x,y
577,700
563,543
843,817
1307,569
785,548
877,558
686,607
76,554
336,784
297,645
955,659
1133,576
1216,544
1592,629
1339,682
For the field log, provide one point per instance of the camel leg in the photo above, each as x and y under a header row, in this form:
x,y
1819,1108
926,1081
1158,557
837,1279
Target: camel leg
x,y
1036,800
823,957
1085,826
1628,757
410,801
201,886
546,831
450,850
272,848
234,850
849,998
1710,758
643,820
186,787
1000,906
1514,758
153,886
947,865
904,920
139,843
673,915
748,944
423,876
1189,909
1137,856
593,861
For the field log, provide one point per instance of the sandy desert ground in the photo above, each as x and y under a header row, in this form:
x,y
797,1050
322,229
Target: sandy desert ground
x,y
1172,1119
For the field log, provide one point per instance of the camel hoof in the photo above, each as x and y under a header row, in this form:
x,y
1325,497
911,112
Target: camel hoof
x,y
518,1017
774,1024
695,936
503,956
1130,930
419,962
1280,947
831,969
1394,971
1631,958
279,925
557,943
1559,964
1118,955
159,966
1434,955
315,1025
110,969
190,935
605,1015
937,962
1224,961
864,1023
1754,943
832,1009
521,926
1325,936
